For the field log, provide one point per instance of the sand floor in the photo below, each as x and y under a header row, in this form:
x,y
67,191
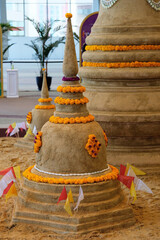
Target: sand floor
x,y
146,208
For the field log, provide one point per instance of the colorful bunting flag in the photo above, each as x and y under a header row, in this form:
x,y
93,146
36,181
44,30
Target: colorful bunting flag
x,y
9,130
7,179
13,125
12,192
3,172
80,198
17,171
67,207
29,132
141,186
34,130
7,188
133,192
15,130
122,169
63,195
70,197
136,170
126,180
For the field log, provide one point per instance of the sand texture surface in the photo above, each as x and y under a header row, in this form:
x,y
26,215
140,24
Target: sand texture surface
x,y
146,208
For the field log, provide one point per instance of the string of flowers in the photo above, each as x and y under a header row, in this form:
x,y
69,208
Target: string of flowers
x,y
68,101
36,178
105,138
29,117
44,107
121,48
135,64
66,120
43,100
71,89
93,145
37,142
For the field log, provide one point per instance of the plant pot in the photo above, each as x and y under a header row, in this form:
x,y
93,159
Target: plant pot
x,y
39,81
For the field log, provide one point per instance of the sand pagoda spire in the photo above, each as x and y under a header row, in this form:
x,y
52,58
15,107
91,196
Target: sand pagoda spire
x,y
72,152
44,91
70,65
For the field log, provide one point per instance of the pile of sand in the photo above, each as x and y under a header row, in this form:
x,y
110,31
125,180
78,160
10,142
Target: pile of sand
x,y
146,208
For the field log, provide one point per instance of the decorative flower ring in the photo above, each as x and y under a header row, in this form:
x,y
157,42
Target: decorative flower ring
x,y
66,120
36,178
37,142
68,15
42,100
121,47
29,117
68,101
105,138
135,64
71,89
93,145
70,79
44,107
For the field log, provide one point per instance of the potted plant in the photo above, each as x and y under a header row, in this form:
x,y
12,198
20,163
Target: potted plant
x,y
6,27
44,45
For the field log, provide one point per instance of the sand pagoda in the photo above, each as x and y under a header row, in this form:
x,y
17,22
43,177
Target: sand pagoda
x,y
38,116
121,73
72,153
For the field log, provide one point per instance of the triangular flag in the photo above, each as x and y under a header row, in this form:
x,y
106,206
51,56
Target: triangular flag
x,y
141,186
126,180
12,192
13,125
34,130
80,198
3,172
70,197
17,172
122,169
67,207
127,168
131,173
9,130
137,171
24,126
63,195
7,179
15,130
133,192
29,132
7,188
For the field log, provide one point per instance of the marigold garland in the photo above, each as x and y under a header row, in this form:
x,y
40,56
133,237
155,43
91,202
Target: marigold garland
x,y
29,117
68,15
43,100
44,107
68,101
135,64
71,89
36,178
105,138
37,142
121,48
60,120
93,145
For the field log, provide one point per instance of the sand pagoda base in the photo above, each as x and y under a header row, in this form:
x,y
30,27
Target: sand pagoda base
x,y
27,142
103,208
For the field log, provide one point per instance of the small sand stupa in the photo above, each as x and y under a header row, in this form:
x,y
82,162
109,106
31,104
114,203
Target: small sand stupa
x,y
72,153
38,116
